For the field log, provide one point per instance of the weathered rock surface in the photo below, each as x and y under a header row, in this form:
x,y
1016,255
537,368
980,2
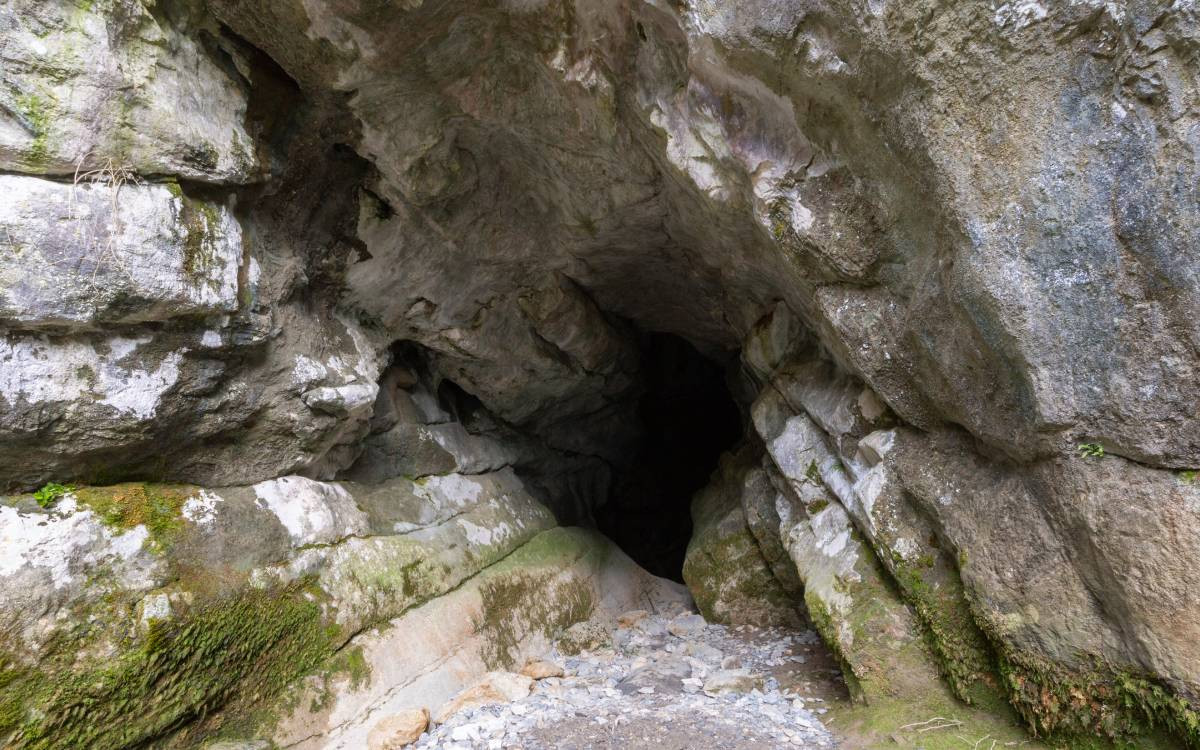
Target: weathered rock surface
x,y
112,84
489,690
432,655
374,275
93,254
724,567
398,730
540,669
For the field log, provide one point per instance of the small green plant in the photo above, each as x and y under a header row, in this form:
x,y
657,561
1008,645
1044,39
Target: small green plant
x,y
1091,450
816,506
1189,476
48,495
813,474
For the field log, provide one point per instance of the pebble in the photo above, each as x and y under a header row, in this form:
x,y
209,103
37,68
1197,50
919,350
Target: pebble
x,y
657,671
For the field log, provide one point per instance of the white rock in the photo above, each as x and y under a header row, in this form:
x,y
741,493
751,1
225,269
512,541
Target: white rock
x,y
78,255
686,625
732,681
312,512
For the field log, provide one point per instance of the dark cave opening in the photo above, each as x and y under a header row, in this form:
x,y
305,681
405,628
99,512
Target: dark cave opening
x,y
684,419
688,419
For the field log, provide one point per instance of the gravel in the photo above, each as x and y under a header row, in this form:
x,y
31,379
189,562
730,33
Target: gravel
x,y
648,690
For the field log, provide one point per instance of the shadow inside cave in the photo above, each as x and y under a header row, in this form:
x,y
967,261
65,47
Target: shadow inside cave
x,y
688,419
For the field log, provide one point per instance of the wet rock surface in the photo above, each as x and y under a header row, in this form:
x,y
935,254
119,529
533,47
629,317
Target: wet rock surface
x,y
666,682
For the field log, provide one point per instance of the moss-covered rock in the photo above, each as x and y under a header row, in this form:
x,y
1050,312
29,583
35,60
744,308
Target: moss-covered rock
x,y
926,575
724,567
857,612
1099,706
122,507
179,613
494,620
226,651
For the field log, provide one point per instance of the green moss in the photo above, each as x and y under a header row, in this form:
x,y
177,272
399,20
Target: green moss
x,y
558,548
233,651
355,664
125,506
396,574
979,665
86,374
963,654
529,593
898,723
812,473
519,603
38,114
350,662
816,507
174,189
13,677
201,245
781,225
1078,706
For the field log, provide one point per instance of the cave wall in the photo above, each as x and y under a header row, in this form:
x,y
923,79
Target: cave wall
x,y
953,241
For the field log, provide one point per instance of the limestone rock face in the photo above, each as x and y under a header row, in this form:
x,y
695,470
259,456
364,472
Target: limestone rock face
x,y
724,566
363,285
707,161
94,254
113,84
398,730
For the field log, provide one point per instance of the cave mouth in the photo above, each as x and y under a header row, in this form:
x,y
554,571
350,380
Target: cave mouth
x,y
688,418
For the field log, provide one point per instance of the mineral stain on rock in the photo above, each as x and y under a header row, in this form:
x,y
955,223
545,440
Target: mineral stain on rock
x,y
353,352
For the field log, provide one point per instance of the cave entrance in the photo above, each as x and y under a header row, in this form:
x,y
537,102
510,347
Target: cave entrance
x,y
688,419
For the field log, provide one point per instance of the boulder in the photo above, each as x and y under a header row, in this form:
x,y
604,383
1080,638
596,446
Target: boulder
x,y
732,681
724,567
398,730
540,669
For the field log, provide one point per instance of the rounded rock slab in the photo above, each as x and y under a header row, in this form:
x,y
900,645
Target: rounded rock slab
x,y
732,681
540,669
398,730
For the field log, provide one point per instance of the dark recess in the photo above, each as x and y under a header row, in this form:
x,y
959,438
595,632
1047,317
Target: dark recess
x,y
688,420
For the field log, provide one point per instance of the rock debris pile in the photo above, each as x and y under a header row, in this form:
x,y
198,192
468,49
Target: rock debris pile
x,y
653,682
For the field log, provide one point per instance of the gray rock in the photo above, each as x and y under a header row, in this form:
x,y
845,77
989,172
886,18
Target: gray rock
x,y
95,254
686,625
954,243
584,636
732,681
106,84
724,567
